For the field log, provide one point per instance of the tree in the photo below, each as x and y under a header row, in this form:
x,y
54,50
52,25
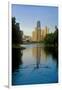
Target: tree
x,y
56,35
17,34
52,38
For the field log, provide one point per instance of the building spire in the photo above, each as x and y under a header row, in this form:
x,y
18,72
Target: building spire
x,y
38,24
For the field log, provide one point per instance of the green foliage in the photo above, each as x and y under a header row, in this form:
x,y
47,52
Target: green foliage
x,y
16,32
52,38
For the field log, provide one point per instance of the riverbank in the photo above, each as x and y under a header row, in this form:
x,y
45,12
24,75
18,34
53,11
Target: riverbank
x,y
18,46
42,44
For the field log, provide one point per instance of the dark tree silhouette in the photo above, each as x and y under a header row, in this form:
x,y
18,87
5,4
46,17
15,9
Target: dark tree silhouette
x,y
56,35
52,38
17,34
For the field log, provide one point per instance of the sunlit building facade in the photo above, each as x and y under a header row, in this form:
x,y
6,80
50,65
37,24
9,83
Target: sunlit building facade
x,y
39,34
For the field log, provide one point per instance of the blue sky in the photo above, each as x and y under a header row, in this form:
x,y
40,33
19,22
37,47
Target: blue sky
x,y
28,16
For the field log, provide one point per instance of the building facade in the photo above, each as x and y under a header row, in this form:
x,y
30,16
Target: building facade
x,y
39,34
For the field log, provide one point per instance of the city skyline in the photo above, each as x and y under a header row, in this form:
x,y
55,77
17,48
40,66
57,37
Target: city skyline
x,y
28,16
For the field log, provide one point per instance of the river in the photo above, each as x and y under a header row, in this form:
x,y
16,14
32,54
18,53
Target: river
x,y
35,65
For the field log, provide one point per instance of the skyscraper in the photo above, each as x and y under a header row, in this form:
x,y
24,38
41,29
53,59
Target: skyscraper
x,y
38,25
39,34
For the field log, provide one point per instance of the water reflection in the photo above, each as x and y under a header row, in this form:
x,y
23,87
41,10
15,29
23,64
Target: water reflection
x,y
52,51
39,54
38,64
36,52
16,58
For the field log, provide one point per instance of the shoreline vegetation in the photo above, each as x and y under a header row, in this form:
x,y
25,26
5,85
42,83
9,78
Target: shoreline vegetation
x,y
52,38
18,46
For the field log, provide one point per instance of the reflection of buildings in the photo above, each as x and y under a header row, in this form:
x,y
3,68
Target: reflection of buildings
x,y
39,54
36,51
38,34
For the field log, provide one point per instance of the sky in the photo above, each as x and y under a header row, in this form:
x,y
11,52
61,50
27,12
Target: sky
x,y
28,15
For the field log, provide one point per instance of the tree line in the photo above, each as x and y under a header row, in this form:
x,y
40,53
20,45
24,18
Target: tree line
x,y
52,38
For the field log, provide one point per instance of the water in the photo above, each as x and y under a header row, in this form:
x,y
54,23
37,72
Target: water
x,y
35,65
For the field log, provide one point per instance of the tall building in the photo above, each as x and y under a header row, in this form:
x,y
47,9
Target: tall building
x,y
38,29
45,32
38,25
42,34
36,35
39,34
33,36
